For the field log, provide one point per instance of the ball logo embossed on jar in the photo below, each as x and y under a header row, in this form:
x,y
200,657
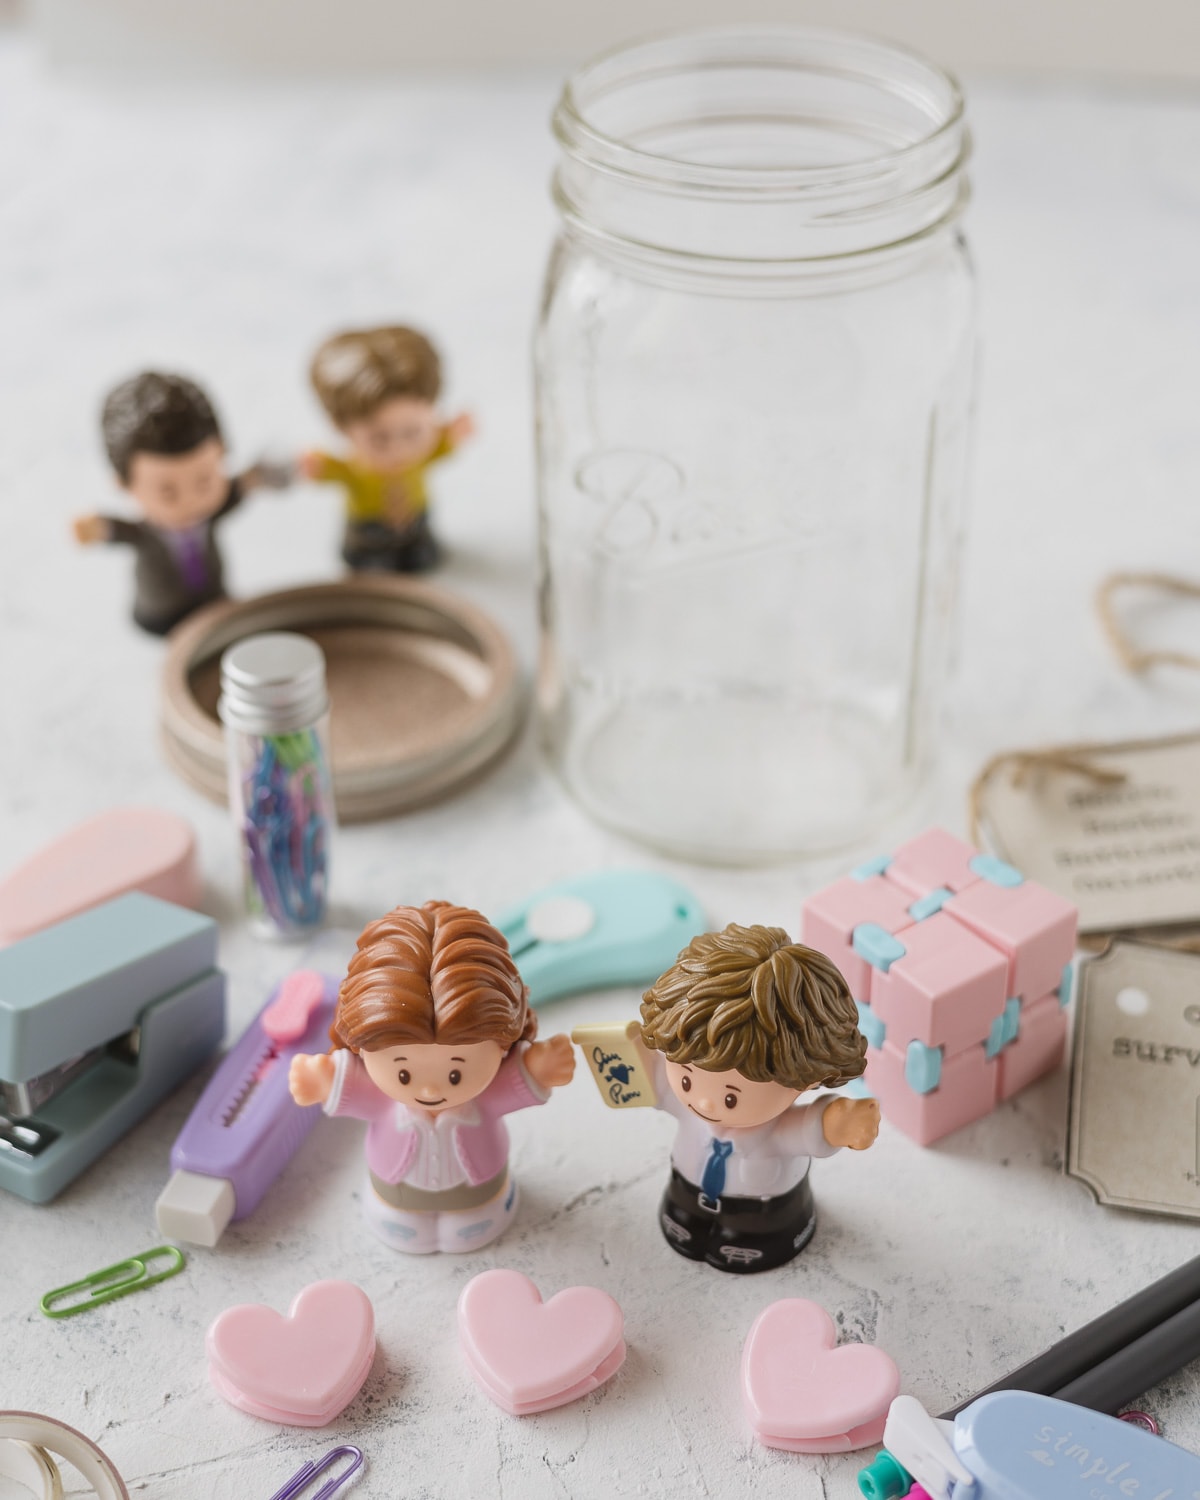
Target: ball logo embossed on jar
x,y
635,492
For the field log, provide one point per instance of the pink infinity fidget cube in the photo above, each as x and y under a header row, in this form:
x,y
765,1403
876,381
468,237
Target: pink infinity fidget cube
x,y
1032,926
829,918
1038,1047
956,962
934,859
946,991
968,1089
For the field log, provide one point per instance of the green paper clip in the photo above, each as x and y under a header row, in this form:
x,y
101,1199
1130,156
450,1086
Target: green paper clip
x,y
114,1281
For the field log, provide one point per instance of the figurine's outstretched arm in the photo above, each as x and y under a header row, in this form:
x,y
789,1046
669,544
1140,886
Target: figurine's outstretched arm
x,y
269,474
851,1122
310,1078
90,530
459,429
551,1063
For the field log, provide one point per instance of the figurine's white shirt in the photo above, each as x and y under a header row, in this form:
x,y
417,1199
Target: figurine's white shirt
x,y
766,1161
436,1165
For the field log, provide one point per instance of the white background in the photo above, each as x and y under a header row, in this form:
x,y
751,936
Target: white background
x,y
223,229
1150,38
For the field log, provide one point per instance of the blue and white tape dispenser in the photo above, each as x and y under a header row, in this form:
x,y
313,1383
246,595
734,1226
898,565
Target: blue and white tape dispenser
x,y
597,931
1013,1445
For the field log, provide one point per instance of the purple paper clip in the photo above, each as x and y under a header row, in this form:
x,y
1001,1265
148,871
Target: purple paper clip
x,y
307,1472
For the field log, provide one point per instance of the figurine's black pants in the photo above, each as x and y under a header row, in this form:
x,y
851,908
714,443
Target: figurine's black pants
x,y
372,547
742,1235
164,624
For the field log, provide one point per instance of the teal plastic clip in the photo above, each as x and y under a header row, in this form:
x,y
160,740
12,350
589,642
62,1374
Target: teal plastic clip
x,y
598,931
126,1276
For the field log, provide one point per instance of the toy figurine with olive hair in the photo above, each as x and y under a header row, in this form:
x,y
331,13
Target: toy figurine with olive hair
x,y
741,1025
380,387
433,1039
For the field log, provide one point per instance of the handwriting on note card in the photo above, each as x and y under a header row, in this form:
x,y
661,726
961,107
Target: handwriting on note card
x,y
1126,850
617,1064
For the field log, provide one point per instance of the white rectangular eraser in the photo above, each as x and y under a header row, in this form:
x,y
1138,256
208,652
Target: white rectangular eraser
x,y
195,1208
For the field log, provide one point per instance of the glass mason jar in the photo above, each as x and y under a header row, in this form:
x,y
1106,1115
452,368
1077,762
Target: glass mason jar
x,y
753,369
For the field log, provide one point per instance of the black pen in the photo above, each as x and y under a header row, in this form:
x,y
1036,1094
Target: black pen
x,y
1122,1377
1158,1326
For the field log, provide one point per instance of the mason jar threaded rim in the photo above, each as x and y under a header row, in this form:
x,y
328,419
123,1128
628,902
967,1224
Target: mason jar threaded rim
x,y
760,146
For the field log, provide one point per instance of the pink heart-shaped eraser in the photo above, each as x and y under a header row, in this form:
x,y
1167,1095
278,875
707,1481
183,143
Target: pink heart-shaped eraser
x,y
803,1392
303,1369
530,1355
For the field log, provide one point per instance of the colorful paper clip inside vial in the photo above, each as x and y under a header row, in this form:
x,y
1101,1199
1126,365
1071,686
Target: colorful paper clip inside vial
x,y
132,1275
285,829
309,1471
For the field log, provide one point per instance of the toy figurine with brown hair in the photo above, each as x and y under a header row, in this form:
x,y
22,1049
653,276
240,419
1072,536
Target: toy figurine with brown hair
x,y
165,445
380,388
434,1045
741,1025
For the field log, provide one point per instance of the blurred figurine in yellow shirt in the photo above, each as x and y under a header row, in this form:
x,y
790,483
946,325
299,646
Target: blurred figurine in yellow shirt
x,y
380,388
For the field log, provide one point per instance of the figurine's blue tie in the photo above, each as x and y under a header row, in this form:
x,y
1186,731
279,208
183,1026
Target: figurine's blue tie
x,y
713,1183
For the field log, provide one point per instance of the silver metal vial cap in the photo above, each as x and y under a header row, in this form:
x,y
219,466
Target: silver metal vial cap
x,y
272,684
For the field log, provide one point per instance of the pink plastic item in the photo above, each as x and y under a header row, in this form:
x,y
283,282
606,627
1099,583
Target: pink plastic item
x,y
125,849
1041,1041
947,989
286,1019
969,1088
1034,927
830,917
803,1392
303,1369
934,860
529,1355
967,963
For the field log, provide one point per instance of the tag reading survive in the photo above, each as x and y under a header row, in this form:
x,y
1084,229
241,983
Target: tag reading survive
x,y
1134,1134
1126,851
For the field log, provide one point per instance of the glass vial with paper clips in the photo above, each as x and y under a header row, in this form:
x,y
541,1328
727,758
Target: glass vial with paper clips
x,y
275,710
754,364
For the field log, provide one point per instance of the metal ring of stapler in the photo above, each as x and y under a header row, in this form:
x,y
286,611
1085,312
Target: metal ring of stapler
x,y
29,1427
31,1467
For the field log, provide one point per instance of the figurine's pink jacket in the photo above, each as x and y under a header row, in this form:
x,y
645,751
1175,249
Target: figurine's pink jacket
x,y
480,1142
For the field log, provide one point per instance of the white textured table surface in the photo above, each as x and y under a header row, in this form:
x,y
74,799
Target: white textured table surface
x,y
223,230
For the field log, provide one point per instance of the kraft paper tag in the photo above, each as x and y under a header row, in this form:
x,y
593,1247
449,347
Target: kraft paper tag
x,y
1127,853
616,1064
1134,1134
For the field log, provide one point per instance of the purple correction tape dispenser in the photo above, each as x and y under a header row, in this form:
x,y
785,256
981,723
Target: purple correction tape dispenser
x,y
246,1127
